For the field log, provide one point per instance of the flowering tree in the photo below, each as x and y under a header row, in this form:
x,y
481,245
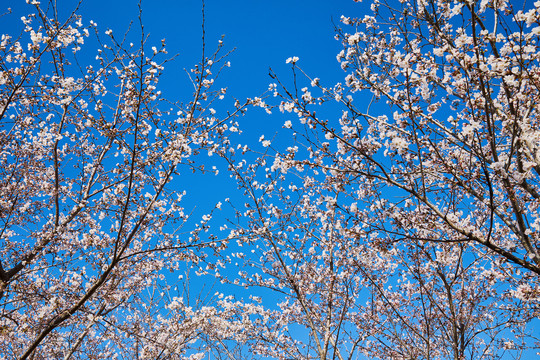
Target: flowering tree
x,y
405,226
89,219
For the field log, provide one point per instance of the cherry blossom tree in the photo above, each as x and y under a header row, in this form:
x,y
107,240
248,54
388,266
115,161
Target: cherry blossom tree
x,y
402,222
91,219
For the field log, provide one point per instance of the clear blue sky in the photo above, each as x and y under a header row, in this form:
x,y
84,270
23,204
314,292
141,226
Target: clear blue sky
x,y
264,33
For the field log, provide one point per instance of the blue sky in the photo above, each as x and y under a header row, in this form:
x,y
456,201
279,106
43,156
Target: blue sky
x,y
264,34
